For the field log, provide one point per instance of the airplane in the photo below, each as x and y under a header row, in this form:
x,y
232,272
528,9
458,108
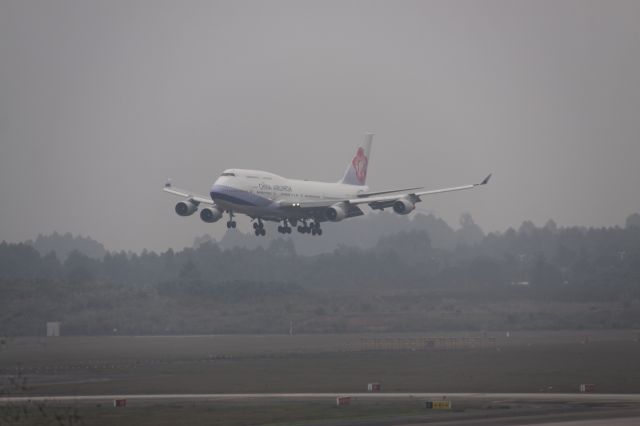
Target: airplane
x,y
265,196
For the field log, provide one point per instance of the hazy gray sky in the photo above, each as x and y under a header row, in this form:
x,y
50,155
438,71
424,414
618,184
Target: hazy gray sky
x,y
101,101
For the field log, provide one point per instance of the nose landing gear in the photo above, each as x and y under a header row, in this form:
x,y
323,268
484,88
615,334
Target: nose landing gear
x,y
231,223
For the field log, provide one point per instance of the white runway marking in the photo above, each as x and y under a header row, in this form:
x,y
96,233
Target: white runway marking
x,y
630,421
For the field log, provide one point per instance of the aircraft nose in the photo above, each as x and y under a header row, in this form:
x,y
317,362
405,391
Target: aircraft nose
x,y
217,182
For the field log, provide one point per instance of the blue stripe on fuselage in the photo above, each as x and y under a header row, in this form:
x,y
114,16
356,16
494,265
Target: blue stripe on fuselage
x,y
238,197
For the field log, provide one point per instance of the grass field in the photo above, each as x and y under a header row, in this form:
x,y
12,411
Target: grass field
x,y
523,362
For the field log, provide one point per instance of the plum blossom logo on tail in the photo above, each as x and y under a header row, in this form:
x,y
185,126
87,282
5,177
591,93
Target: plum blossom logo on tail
x,y
360,165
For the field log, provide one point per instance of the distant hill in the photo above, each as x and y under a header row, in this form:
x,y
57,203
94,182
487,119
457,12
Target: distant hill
x,y
63,244
363,232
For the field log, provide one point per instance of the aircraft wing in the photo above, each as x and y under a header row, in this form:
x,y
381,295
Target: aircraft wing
x,y
371,194
382,201
168,187
377,202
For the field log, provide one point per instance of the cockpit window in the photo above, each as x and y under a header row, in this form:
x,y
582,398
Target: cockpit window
x,y
228,174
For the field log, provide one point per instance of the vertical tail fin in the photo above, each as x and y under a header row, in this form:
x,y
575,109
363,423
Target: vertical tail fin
x,y
356,173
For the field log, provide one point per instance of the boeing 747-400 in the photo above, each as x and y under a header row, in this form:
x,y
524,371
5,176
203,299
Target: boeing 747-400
x,y
265,196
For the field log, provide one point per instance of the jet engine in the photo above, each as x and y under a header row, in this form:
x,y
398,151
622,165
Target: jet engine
x,y
186,208
403,206
336,212
210,215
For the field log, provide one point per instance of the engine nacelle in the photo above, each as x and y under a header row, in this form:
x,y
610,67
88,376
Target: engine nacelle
x,y
404,206
186,208
336,212
210,215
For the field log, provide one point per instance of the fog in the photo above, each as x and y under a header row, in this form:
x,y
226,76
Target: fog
x,y
100,102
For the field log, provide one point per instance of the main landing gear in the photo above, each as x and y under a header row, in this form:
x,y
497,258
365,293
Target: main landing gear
x,y
258,228
313,228
285,228
231,223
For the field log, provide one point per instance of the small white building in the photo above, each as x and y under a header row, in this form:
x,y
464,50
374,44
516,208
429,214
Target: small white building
x,y
53,329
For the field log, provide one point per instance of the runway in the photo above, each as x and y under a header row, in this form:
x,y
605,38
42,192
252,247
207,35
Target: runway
x,y
526,397
549,409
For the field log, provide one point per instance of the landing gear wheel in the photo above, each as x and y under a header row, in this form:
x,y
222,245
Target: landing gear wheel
x,y
231,223
285,228
258,228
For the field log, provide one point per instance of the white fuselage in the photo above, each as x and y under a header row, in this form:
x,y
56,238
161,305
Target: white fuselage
x,y
267,196
258,194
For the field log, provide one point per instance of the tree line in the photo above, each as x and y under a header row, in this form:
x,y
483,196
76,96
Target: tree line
x,y
548,263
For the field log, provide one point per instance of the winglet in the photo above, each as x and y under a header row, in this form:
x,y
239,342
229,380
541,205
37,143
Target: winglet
x,y
486,180
168,184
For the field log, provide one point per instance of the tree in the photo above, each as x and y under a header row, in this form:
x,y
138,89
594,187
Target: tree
x,y
50,267
190,272
469,233
80,268
633,220
551,226
527,228
545,274
412,247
